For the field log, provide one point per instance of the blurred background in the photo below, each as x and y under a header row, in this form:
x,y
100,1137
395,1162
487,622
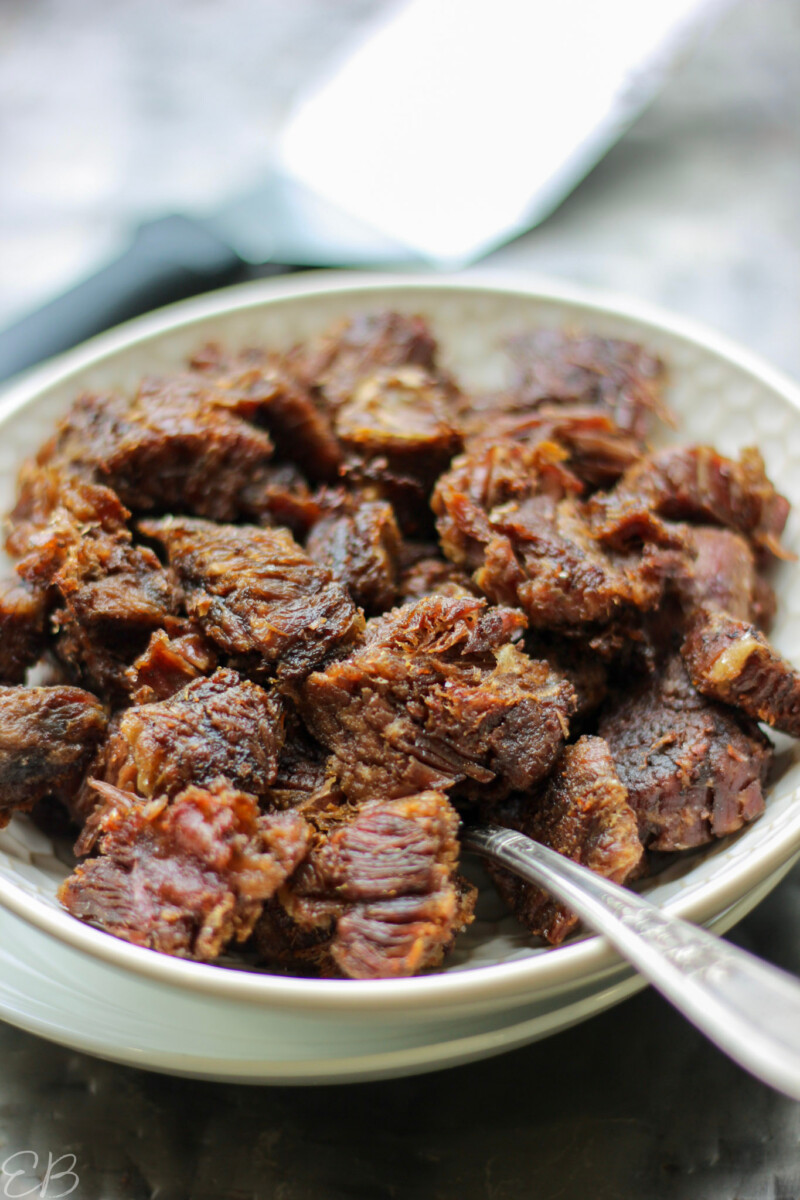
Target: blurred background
x,y
111,114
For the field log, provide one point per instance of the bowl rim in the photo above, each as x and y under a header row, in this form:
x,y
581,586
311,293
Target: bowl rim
x,y
540,974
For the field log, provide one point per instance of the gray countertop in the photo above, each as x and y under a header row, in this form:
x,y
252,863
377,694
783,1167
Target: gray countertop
x,y
113,112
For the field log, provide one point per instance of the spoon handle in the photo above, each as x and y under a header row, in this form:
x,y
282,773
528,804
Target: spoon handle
x,y
748,1008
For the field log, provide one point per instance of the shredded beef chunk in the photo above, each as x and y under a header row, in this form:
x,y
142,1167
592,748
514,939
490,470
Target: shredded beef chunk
x,y
617,377
112,596
730,660
582,811
175,447
279,495
597,452
23,629
187,877
54,506
223,727
694,770
393,411
100,595
439,695
694,483
337,362
529,548
377,896
265,388
360,548
404,415
47,737
168,664
258,596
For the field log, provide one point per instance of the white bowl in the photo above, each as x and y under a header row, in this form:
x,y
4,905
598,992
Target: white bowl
x,y
721,394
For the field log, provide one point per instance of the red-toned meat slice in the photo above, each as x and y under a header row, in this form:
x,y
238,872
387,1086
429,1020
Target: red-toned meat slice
x,y
377,897
694,770
187,877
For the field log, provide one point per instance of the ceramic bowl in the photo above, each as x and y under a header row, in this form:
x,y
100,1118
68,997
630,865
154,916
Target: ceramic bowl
x,y
720,394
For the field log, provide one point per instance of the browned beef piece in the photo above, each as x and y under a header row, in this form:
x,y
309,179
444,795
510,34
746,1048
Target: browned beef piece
x,y
23,629
506,513
176,447
693,483
169,663
439,695
47,737
578,662
278,494
393,410
494,476
303,768
187,877
258,596
378,895
730,660
402,414
582,811
695,770
720,572
541,554
111,596
599,451
338,361
104,595
48,486
223,727
54,510
430,576
545,557
615,377
264,387
359,545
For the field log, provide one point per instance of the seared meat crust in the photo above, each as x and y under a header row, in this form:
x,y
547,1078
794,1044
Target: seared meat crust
x,y
47,737
439,695
258,596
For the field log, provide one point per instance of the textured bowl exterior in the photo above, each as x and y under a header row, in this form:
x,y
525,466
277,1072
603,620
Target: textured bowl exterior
x,y
719,394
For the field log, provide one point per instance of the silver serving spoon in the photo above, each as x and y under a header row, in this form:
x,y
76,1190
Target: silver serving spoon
x,y
749,1009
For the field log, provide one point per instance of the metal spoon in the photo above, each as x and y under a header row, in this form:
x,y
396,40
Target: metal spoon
x,y
750,1010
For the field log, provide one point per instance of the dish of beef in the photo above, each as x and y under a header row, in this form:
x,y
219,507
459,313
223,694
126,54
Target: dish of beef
x,y
304,610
